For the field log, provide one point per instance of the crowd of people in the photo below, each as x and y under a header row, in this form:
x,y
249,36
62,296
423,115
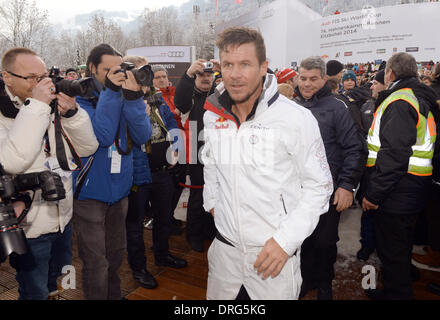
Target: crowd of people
x,y
273,158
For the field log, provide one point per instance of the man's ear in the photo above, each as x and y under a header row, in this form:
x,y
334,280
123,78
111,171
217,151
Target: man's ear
x,y
6,78
92,68
263,68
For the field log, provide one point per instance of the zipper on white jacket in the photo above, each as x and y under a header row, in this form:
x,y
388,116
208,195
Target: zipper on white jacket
x,y
236,193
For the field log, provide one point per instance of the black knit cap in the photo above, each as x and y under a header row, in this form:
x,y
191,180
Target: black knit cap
x,y
334,67
380,76
71,69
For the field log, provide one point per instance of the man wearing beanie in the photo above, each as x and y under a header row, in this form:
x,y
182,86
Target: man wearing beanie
x,y
288,76
71,74
335,70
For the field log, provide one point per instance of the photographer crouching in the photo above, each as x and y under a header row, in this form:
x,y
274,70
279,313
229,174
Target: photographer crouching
x,y
29,144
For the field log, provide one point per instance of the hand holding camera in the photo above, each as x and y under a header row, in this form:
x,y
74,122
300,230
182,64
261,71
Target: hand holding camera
x,y
44,91
198,66
130,83
116,76
65,103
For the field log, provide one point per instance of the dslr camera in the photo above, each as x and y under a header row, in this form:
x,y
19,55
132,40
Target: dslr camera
x,y
12,237
144,75
72,88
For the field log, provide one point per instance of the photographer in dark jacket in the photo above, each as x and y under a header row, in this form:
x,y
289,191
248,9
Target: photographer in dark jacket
x,y
191,92
346,155
401,144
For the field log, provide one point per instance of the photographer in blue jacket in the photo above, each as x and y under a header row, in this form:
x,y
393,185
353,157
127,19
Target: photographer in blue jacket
x,y
119,120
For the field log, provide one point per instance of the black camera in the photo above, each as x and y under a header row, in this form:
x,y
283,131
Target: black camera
x,y
12,237
154,100
144,75
72,88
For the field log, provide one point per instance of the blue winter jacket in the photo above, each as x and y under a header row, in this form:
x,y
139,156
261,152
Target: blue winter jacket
x,y
112,111
141,166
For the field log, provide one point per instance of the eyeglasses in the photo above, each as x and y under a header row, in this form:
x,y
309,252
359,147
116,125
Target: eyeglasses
x,y
28,78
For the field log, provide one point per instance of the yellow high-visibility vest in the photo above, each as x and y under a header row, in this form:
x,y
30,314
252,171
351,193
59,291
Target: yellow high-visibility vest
x,y
420,162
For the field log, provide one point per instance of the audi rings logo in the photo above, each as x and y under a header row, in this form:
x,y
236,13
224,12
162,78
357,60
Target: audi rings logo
x,y
176,54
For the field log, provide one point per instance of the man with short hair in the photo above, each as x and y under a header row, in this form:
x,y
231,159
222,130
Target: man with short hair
x,y
346,155
191,92
119,119
27,145
401,146
266,176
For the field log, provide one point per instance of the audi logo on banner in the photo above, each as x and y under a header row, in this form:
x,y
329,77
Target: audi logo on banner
x,y
176,54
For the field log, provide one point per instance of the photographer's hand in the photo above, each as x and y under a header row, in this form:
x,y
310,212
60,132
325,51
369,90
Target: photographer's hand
x,y
196,67
130,83
115,77
44,91
217,66
65,103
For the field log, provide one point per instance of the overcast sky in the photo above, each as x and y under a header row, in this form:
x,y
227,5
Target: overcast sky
x,y
61,10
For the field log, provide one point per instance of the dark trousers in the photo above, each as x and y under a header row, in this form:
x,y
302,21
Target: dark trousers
x,y
319,251
394,241
160,194
180,177
39,268
199,223
432,213
368,235
100,230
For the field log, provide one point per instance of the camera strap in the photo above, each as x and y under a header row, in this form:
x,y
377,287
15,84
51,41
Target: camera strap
x,y
60,149
129,143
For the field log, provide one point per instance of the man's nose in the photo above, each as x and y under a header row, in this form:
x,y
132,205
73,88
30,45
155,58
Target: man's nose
x,y
235,72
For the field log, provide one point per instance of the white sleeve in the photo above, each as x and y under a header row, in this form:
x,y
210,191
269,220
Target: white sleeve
x,y
210,189
21,143
80,131
316,181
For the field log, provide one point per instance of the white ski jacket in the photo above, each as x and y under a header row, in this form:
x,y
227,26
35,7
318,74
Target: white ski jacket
x,y
22,150
268,177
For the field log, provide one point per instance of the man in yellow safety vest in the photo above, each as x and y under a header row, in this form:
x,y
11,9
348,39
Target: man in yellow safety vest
x,y
401,147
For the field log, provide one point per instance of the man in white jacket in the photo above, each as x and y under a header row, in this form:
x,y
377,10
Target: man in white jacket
x,y
267,179
27,144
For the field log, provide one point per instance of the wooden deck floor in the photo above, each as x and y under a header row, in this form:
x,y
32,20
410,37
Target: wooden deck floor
x,y
190,283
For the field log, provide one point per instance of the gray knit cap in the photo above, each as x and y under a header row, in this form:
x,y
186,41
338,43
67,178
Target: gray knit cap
x,y
158,67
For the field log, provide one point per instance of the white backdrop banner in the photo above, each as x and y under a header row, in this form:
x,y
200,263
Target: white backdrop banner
x,y
378,33
292,31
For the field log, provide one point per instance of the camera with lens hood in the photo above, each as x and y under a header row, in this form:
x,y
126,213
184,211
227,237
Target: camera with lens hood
x,y
12,189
